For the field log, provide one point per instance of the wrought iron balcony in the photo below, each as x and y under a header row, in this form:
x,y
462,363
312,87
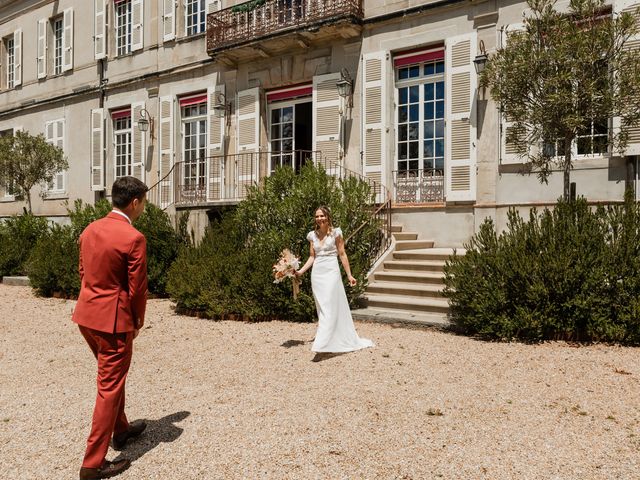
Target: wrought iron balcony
x,y
418,186
256,21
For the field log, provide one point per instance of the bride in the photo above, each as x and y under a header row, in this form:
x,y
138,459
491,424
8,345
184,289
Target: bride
x,y
336,332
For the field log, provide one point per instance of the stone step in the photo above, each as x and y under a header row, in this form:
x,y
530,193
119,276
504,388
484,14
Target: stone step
x,y
426,253
403,318
16,281
396,228
413,244
406,289
415,265
405,236
431,305
410,277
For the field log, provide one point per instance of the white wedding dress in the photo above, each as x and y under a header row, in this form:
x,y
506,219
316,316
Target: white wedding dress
x,y
336,332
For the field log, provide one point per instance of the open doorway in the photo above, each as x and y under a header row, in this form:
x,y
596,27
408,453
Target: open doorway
x,y
290,133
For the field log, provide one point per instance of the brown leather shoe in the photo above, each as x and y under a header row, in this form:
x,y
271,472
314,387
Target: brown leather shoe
x,y
135,429
107,470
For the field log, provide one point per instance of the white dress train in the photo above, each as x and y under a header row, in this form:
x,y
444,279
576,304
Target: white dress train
x,y
336,332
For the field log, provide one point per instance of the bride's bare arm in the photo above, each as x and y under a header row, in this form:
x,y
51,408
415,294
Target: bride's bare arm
x,y
309,262
345,260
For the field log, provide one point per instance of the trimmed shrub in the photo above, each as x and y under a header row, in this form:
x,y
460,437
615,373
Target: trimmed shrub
x,y
230,272
567,273
53,264
18,235
163,244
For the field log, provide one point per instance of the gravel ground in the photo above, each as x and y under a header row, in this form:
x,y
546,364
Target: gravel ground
x,y
236,400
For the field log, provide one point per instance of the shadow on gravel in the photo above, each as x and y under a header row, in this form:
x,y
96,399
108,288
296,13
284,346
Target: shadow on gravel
x,y
322,356
292,343
157,432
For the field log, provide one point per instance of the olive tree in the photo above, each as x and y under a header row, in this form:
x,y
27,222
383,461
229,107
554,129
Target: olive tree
x,y
562,79
27,160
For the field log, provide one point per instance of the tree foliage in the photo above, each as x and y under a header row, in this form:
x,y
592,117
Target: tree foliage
x,y
230,272
26,161
569,273
560,76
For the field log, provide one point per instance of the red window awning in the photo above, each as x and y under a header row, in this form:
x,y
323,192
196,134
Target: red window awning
x,y
289,93
411,57
193,99
121,113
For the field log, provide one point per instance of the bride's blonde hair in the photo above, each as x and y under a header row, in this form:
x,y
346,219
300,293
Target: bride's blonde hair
x,y
327,213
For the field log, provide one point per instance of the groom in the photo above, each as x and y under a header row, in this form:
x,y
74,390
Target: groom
x,y
110,313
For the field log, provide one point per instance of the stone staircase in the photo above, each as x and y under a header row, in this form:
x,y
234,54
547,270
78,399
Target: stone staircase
x,y
407,286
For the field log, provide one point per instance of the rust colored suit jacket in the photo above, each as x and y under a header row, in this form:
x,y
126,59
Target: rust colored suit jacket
x,y
113,276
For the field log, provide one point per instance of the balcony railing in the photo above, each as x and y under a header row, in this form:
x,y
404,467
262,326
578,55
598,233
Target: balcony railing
x,y
418,186
248,22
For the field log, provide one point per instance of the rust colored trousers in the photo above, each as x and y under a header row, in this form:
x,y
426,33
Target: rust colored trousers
x,y
113,353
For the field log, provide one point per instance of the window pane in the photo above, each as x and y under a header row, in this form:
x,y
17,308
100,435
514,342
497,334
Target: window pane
x,y
402,96
429,69
413,131
275,115
428,91
440,67
414,71
440,109
287,130
428,110
428,148
414,94
413,149
439,128
413,165
403,73
287,145
439,163
440,90
402,114
402,133
428,129
287,114
275,131
439,148
414,113
402,151
275,146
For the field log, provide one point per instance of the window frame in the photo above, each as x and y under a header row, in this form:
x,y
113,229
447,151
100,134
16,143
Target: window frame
x,y
199,164
122,133
123,32
10,61
420,81
58,45
200,12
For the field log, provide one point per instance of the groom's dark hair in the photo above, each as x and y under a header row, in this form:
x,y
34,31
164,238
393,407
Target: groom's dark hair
x,y
125,189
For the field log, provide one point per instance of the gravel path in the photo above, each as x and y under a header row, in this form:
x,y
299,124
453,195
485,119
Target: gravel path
x,y
235,400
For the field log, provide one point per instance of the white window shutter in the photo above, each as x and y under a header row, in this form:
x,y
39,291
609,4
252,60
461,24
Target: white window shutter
x,y
67,40
216,134
137,27
508,151
42,48
629,6
326,117
248,138
214,6
460,134
138,143
100,29
166,150
17,52
168,20
97,149
374,114
60,178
